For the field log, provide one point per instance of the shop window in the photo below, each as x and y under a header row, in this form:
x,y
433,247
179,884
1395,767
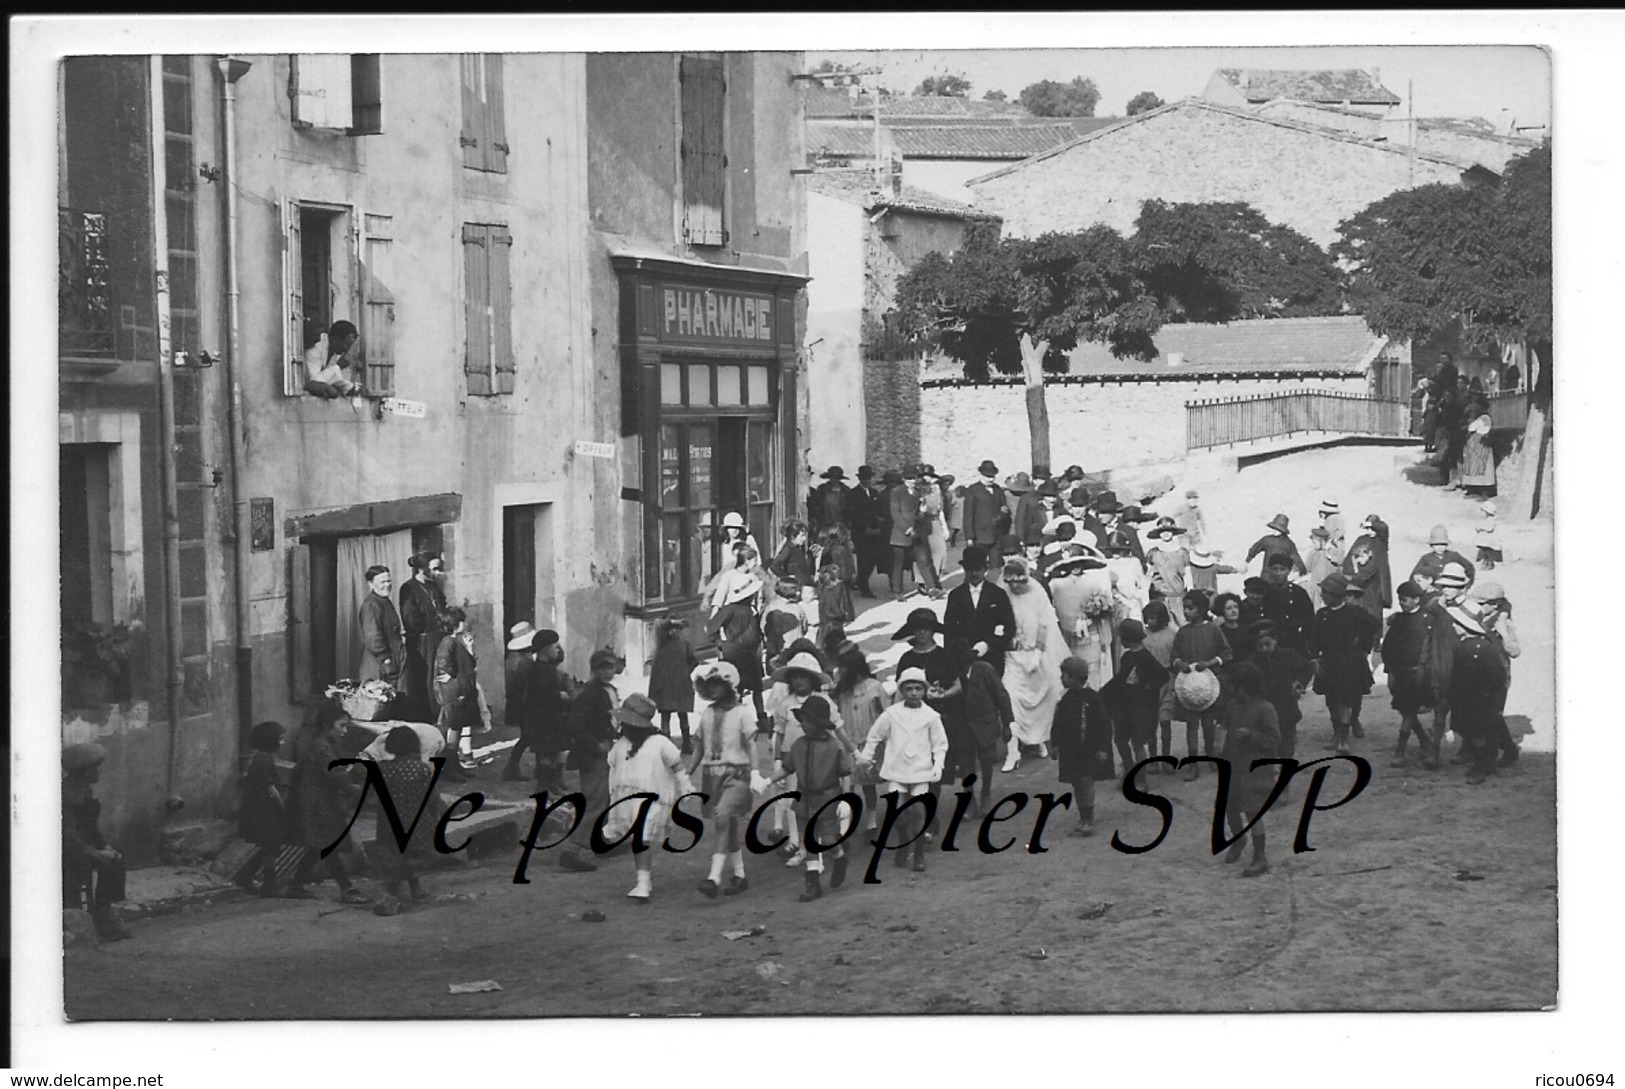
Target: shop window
x,y
338,91
702,149
484,137
488,361
709,467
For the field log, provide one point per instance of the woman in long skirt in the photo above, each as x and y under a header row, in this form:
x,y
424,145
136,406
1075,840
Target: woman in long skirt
x,y
1032,667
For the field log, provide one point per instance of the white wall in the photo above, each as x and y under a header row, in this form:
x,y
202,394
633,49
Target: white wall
x,y
835,231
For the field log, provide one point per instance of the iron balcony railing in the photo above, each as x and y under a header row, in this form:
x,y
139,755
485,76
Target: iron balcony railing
x,y
86,319
1223,421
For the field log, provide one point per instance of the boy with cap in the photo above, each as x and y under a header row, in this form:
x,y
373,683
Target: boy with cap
x,y
1402,646
1082,732
1284,676
1134,694
92,868
916,748
1288,604
1278,542
1253,590
822,769
1341,641
1439,554
592,731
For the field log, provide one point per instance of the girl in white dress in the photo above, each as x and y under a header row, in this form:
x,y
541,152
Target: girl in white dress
x,y
643,761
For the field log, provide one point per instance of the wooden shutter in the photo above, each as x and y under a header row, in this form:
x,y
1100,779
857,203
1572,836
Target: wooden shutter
x,y
320,86
293,302
476,309
366,95
300,677
378,306
496,143
702,149
501,246
472,138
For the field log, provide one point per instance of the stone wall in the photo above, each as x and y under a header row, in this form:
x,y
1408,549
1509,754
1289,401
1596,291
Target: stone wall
x,y
892,402
1296,178
1097,426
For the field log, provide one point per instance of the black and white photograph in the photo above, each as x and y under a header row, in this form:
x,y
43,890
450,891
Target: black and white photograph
x,y
626,529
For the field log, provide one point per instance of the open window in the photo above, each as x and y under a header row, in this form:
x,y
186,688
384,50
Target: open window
x,y
343,92
336,266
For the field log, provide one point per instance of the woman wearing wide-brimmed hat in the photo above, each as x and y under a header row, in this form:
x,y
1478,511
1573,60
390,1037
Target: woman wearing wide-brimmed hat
x,y
1081,588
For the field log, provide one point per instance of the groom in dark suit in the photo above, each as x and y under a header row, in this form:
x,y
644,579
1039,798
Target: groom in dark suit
x,y
979,612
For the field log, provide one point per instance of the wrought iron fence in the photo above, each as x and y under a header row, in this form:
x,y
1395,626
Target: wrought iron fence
x,y
1222,421
84,299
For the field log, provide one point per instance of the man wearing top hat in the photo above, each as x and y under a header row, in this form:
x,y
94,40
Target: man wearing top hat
x,y
827,506
979,612
1119,523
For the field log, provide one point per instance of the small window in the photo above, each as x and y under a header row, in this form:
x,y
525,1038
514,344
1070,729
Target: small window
x,y
484,136
338,91
322,285
488,361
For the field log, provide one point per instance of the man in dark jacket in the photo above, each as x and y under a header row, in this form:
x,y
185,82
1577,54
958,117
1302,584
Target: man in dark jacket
x,y
383,639
1278,542
828,506
1288,605
92,869
864,514
985,514
979,612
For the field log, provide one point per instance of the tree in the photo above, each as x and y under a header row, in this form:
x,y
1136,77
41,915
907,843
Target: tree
x,y
1221,261
951,85
1145,100
1018,306
1422,260
1050,98
995,96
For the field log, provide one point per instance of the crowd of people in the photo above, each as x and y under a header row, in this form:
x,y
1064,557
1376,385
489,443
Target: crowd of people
x,y
1452,415
1082,630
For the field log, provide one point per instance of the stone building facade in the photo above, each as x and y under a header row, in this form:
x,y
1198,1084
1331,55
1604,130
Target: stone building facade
x,y
1298,175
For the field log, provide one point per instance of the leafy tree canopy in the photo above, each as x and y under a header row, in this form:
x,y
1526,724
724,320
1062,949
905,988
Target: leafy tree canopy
x,y
951,85
1145,100
1422,259
1051,98
1221,261
1185,262
995,96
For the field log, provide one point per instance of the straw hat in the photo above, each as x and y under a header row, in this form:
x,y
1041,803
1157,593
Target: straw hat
x,y
802,663
742,591
1454,574
1201,556
912,675
521,635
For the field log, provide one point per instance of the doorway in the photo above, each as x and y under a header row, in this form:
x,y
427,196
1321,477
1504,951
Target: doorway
x,y
527,567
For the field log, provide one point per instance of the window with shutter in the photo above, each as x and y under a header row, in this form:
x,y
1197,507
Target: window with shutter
x,y
366,95
343,91
301,679
378,306
484,136
702,150
293,303
477,309
501,246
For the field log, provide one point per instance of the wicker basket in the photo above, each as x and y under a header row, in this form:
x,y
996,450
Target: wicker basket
x,y
364,708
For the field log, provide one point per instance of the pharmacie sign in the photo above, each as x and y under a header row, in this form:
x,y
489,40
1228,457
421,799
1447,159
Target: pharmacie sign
x,y
690,315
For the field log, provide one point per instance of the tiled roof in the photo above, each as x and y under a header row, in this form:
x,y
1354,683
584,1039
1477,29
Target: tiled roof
x,y
996,141
1343,344
857,187
1244,114
1313,85
836,102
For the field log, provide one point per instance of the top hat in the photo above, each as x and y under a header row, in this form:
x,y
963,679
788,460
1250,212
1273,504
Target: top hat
x,y
865,472
815,712
987,468
1078,497
973,556
1279,523
637,710
521,635
918,620
1133,513
1050,488
834,472
1106,503
1019,483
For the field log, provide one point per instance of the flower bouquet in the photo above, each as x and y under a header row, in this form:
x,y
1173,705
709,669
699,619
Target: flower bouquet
x,y
364,701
